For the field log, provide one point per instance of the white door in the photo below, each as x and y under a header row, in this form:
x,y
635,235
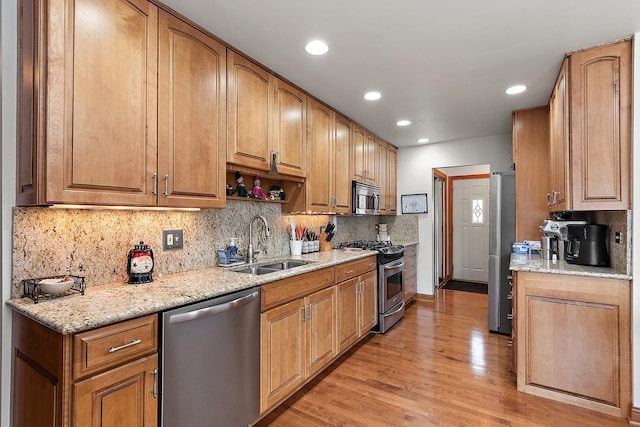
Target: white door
x,y
471,229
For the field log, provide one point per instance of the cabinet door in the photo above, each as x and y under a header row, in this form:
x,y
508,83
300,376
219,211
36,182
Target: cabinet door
x,y
289,142
368,304
347,312
383,177
101,115
392,184
371,158
282,348
319,149
249,113
559,195
341,165
192,120
601,127
123,396
358,153
321,330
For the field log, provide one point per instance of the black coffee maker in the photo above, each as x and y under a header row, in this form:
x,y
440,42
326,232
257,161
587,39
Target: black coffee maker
x,y
588,245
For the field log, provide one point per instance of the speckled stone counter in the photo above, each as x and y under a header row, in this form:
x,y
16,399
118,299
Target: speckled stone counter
x,y
107,304
534,263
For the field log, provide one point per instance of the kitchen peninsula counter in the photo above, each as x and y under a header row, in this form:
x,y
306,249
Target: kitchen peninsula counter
x,y
108,304
535,264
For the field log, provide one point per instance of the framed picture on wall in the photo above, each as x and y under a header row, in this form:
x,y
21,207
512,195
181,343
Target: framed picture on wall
x,y
414,203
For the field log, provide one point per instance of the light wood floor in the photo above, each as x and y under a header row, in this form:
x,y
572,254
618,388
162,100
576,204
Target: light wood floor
x,y
438,367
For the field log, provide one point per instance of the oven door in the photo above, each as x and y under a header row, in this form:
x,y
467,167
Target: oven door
x,y
391,284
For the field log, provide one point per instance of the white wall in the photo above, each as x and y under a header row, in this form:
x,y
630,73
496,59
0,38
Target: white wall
x,y
8,14
635,303
415,172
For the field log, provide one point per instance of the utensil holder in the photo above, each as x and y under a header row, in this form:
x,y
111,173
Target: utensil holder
x,y
296,247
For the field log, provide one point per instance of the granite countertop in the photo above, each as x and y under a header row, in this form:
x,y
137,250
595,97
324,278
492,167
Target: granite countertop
x,y
535,264
406,242
107,304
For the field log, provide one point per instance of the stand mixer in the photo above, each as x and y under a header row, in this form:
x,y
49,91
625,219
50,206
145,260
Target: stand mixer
x,y
557,231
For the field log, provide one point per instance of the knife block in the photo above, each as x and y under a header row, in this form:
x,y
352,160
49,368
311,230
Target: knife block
x,y
324,245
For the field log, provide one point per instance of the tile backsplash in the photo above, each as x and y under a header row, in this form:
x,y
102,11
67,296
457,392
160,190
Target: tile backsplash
x,y
95,243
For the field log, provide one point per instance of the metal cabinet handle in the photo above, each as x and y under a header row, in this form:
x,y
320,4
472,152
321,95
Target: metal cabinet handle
x,y
155,383
548,199
166,185
555,197
391,267
132,343
310,311
155,184
349,272
510,316
304,313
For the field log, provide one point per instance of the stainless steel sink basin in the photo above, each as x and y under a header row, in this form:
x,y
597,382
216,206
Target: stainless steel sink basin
x,y
285,265
272,267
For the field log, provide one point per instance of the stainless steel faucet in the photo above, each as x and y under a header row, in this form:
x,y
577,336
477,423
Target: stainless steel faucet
x,y
251,253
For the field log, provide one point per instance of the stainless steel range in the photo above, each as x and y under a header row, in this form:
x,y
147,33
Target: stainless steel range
x,y
390,280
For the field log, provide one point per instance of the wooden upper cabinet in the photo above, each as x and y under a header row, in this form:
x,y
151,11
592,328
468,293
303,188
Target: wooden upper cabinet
x,y
558,197
364,147
93,130
392,183
289,140
341,164
590,130
320,179
249,113
93,136
371,158
383,178
600,115
192,120
531,156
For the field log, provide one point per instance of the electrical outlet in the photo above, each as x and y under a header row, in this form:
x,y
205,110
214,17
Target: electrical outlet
x,y
618,237
172,239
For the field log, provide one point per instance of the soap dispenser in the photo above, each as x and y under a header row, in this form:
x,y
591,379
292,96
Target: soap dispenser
x,y
233,250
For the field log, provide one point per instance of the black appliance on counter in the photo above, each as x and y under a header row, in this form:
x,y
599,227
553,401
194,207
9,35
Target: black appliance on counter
x,y
390,260
588,245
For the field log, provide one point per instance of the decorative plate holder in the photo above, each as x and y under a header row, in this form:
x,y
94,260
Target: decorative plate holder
x,y
32,290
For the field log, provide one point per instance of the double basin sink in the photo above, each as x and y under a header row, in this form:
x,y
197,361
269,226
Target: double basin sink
x,y
273,267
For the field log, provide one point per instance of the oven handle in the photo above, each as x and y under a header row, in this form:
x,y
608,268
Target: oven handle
x,y
394,311
391,267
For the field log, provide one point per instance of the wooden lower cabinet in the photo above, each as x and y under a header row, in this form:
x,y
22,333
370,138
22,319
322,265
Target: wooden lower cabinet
x,y
574,340
410,272
114,383
308,320
357,308
123,396
298,340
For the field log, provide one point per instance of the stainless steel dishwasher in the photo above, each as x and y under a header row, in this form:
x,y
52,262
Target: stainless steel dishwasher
x,y
210,361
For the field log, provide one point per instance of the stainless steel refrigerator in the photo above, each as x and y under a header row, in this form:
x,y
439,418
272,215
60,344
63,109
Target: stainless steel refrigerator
x,y
502,233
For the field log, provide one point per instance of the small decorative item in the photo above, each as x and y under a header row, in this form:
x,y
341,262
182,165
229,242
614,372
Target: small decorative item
x,y
414,203
242,190
230,190
257,190
140,264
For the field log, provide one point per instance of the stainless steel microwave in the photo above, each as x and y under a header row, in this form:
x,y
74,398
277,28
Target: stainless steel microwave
x,y
366,199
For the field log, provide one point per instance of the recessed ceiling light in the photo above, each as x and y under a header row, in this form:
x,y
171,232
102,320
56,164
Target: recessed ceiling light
x,y
316,47
403,122
423,140
372,96
513,90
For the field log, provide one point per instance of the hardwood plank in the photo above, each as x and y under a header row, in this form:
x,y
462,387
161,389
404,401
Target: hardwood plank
x,y
438,366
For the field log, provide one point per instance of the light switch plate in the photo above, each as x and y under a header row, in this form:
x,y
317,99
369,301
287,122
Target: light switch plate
x,y
172,239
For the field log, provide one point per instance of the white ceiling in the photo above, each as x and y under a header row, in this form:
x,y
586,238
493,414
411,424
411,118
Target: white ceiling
x,y
442,64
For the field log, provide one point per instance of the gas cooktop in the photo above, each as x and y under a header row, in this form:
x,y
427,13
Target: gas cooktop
x,y
386,248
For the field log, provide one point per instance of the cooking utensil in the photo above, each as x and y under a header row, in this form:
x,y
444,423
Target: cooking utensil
x,y
293,229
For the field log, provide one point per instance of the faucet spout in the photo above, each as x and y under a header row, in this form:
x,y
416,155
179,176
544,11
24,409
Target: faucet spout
x,y
251,252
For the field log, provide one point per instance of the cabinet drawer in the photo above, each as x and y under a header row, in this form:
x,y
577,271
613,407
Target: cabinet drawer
x,y
410,251
411,284
410,266
285,290
352,269
113,345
